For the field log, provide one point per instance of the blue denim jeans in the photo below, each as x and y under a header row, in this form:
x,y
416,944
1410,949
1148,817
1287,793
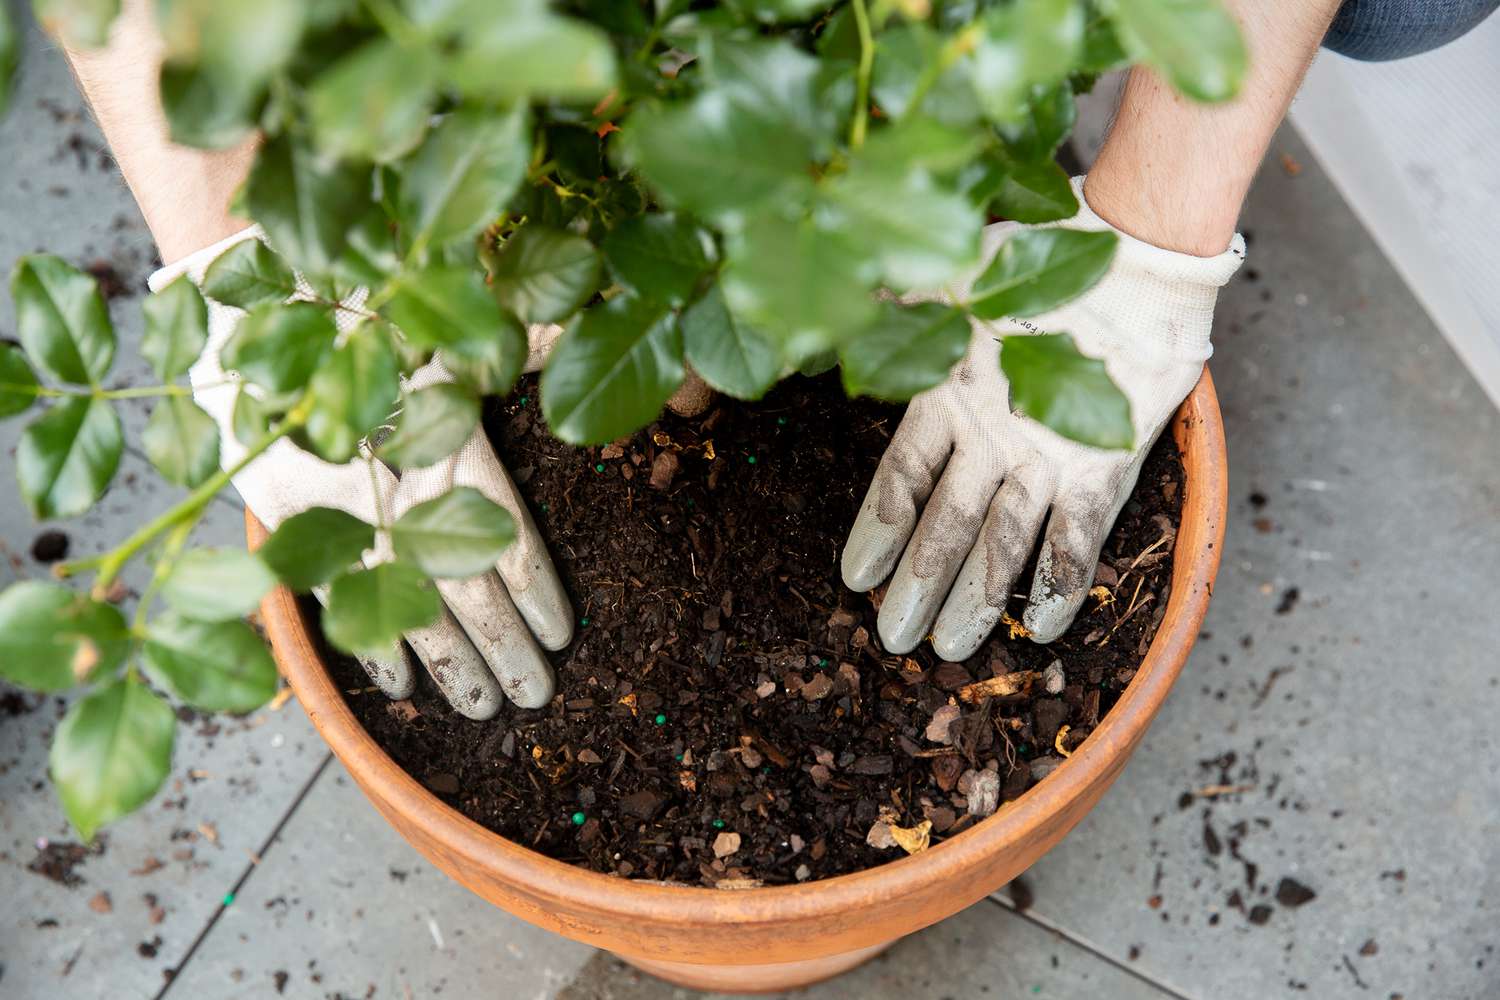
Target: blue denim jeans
x,y
1392,29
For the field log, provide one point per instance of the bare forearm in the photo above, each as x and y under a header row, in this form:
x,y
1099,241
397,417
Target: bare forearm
x,y
183,193
1174,172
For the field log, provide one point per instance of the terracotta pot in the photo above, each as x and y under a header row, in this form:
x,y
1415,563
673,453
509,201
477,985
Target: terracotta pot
x,y
786,936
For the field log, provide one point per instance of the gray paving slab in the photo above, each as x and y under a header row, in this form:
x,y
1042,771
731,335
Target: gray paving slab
x,y
1347,670
983,952
164,871
345,907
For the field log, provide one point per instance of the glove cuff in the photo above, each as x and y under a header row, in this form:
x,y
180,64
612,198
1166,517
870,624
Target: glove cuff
x,y
1209,273
195,263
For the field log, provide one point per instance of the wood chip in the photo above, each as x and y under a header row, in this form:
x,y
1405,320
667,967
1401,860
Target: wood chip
x,y
726,844
101,903
282,697
664,469
939,729
818,688
998,687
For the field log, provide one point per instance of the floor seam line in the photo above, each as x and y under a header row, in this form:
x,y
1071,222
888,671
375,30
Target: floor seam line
x,y
250,868
1088,946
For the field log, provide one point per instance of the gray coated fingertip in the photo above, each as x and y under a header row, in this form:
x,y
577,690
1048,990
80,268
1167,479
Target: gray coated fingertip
x,y
1044,624
480,701
896,632
956,647
529,684
395,677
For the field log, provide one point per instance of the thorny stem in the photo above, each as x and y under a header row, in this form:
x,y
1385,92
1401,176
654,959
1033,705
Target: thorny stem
x,y
110,563
862,84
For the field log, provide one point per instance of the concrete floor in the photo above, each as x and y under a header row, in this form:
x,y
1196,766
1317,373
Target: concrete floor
x,y
1346,677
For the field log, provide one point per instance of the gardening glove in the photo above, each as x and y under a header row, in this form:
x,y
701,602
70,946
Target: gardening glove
x,y
983,478
485,646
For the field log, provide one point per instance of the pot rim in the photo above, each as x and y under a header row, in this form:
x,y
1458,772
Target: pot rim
x,y
657,902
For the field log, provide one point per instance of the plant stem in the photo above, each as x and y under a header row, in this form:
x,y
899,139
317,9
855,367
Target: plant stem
x,y
133,392
862,81
170,550
110,563
955,48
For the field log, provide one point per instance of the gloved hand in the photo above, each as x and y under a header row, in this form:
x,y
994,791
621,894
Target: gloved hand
x,y
997,474
486,641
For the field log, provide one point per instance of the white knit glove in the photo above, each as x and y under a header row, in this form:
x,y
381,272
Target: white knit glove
x,y
486,640
997,473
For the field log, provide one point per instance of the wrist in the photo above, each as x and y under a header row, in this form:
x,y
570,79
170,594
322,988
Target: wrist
x,y
183,193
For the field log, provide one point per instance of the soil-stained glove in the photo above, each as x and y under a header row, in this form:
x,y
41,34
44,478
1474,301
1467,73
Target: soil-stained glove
x,y
484,648
988,477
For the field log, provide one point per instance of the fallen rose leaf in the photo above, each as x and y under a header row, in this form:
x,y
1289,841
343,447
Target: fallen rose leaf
x,y
913,840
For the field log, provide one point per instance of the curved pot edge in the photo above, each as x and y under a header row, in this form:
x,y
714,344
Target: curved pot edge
x,y
638,918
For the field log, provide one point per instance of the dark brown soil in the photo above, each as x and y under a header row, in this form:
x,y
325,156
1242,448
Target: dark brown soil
x,y
726,713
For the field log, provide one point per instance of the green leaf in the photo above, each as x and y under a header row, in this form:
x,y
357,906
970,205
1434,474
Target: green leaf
x,y
111,752
903,56
797,284
218,666
908,350
369,609
181,441
1040,269
247,275
1193,43
51,637
61,320
67,457
374,103
314,546
1055,385
353,392
449,309
1023,44
206,111
242,44
461,177
612,371
715,160
176,328
544,275
305,204
780,10
732,356
920,232
1043,124
81,23
251,417
17,382
434,423
511,50
1035,192
659,257
10,54
278,346
1102,50
214,585
778,84
458,534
